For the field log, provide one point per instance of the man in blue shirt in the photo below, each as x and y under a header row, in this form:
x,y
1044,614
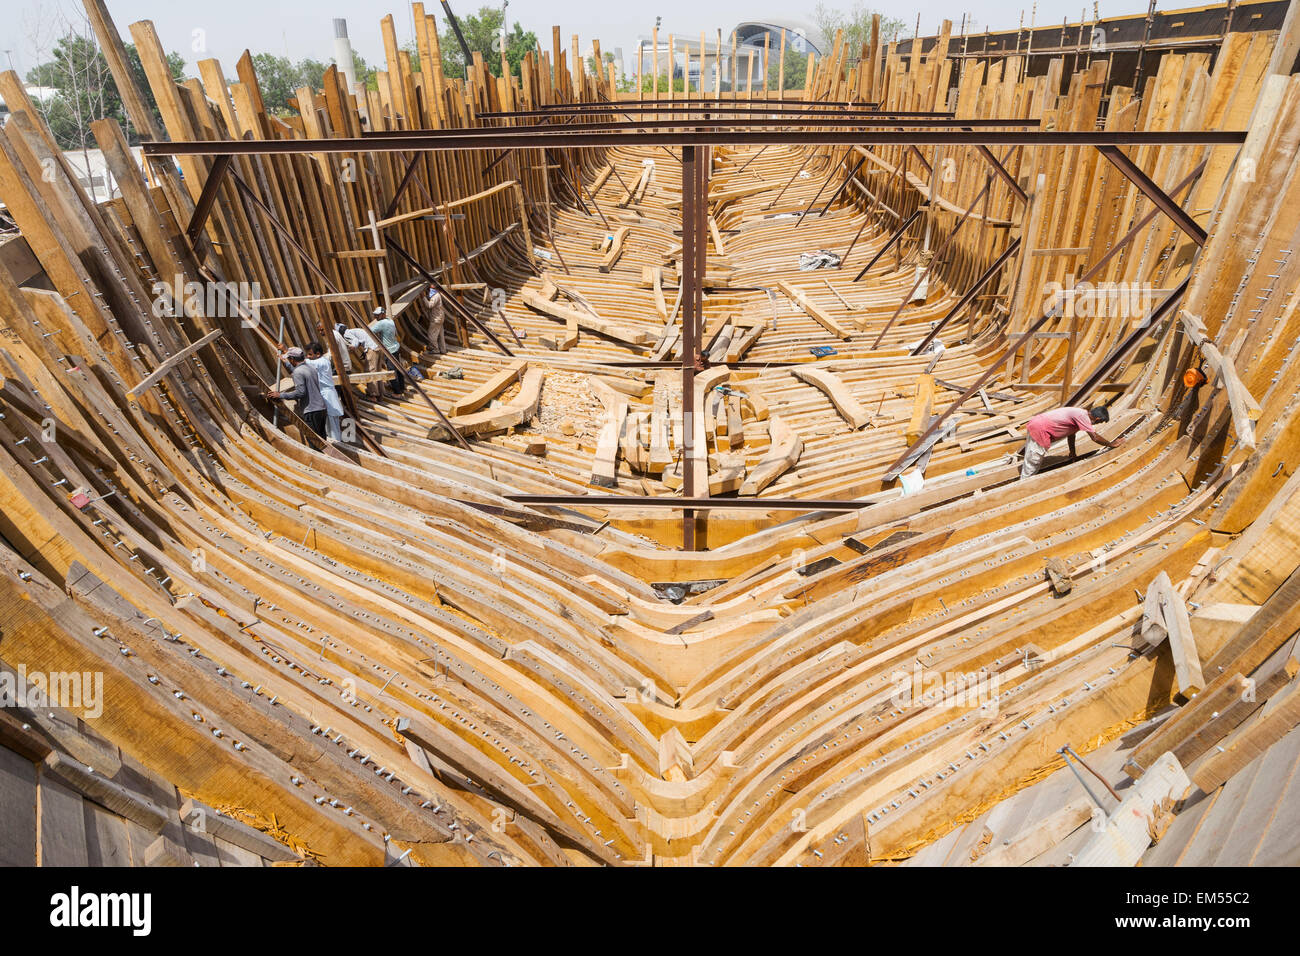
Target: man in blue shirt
x,y
385,331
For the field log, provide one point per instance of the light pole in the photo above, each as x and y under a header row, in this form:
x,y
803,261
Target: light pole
x,y
505,64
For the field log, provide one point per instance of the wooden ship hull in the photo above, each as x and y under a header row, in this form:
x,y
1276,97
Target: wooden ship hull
x,y
865,640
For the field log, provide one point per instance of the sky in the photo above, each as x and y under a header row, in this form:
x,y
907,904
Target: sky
x,y
198,29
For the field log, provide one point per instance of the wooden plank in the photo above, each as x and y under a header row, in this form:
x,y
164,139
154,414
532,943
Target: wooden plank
x,y
1272,722
1128,829
816,312
489,390
107,841
229,830
922,408
1042,837
171,362
1165,615
62,826
585,320
109,794
518,411
833,387
615,251
17,810
781,456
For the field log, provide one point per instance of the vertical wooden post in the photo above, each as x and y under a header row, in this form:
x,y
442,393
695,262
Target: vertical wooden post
x,y
780,71
735,92
767,47
654,40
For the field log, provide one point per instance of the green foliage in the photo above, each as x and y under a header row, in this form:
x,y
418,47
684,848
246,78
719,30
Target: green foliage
x,y
648,84
364,73
482,35
311,73
277,78
87,91
856,24
796,70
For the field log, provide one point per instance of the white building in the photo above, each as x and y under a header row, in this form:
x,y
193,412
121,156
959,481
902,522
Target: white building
x,y
750,39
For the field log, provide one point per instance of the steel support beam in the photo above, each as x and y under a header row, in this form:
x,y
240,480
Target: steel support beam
x,y
695,212
634,134
401,186
1002,172
898,234
1130,342
1182,219
965,300
447,297
203,208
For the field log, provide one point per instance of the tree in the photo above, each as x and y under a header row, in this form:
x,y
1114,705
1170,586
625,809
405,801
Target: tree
x,y
482,33
364,74
86,91
175,63
311,73
856,24
278,78
648,84
796,70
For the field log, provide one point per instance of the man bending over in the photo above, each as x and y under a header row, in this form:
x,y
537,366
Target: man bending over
x,y
1049,427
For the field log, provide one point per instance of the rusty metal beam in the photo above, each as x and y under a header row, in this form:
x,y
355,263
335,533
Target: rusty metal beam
x,y
203,208
898,234
965,300
401,187
447,297
1130,342
634,134
695,210
1163,201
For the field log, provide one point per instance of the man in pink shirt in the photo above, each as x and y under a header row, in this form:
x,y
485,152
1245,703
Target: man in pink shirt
x,y
1049,427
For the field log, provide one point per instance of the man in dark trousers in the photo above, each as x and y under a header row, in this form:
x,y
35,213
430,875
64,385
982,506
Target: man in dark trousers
x,y
306,391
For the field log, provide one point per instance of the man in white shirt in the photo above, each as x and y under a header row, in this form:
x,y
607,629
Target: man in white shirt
x,y
324,368
341,342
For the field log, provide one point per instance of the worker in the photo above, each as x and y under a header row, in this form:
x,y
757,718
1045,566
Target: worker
x,y
935,347
324,368
437,318
1048,427
340,342
385,329
306,390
